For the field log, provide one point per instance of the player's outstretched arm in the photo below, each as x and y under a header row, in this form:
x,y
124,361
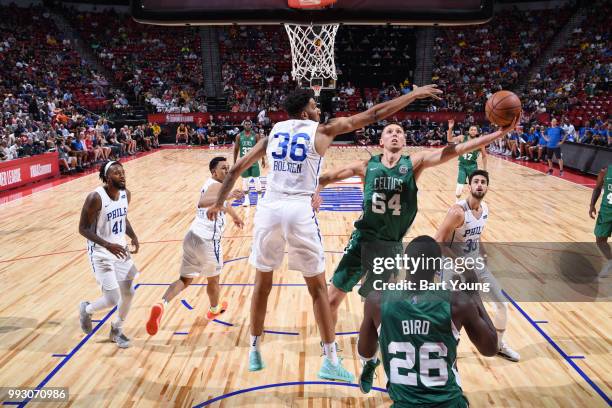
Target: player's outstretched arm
x,y
338,174
449,133
484,153
368,334
210,197
327,132
597,191
423,160
236,148
469,312
238,168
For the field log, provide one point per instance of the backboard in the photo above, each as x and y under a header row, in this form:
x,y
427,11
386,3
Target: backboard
x,y
223,12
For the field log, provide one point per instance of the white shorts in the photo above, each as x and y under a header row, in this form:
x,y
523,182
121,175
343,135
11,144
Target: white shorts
x,y
201,256
280,221
109,271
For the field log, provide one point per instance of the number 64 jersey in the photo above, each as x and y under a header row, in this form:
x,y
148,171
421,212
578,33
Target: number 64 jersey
x,y
294,162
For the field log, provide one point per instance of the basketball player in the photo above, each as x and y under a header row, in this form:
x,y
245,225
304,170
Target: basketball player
x,y
603,225
468,162
461,230
202,251
105,224
389,200
418,332
295,149
245,141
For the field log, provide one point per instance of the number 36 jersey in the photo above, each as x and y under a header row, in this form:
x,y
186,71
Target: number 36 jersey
x,y
294,162
389,200
111,222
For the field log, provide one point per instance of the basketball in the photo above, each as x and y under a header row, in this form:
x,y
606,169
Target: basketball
x,y
502,108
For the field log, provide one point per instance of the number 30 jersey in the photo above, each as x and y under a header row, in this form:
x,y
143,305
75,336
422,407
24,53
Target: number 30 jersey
x,y
389,200
294,162
468,234
111,222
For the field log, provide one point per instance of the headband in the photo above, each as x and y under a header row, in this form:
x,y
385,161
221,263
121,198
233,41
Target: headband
x,y
110,163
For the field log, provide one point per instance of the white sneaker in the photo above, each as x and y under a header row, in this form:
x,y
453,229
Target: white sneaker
x,y
507,353
246,202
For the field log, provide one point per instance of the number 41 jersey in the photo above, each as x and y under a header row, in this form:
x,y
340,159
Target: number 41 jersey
x,y
111,222
294,162
389,200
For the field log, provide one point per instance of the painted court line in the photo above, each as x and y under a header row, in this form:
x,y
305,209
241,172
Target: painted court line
x,y
560,351
187,305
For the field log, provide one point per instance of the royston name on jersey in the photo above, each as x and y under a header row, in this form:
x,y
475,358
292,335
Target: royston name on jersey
x,y
389,183
415,326
281,165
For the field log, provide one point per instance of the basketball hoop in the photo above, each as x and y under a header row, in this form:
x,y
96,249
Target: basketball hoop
x,y
312,54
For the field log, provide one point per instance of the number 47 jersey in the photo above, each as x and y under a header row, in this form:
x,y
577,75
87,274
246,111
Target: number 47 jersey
x,y
294,162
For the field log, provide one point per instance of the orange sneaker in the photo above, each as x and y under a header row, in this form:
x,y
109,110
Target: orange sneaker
x,y
210,315
154,318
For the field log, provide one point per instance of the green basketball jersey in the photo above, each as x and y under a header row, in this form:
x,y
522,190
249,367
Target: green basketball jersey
x,y
247,142
469,159
606,200
419,346
389,200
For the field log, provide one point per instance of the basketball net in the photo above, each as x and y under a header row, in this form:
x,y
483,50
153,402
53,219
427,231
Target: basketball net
x,y
312,54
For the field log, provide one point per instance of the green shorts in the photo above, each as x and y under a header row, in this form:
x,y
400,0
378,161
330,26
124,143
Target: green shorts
x,y
603,225
350,270
464,173
252,171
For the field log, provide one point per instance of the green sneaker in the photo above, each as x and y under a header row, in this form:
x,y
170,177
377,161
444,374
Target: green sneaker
x,y
255,361
367,376
329,371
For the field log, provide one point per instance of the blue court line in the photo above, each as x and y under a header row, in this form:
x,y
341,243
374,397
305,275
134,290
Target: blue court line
x,y
576,357
222,322
181,333
560,351
59,355
278,385
10,403
187,305
540,321
225,284
71,354
96,321
346,333
282,332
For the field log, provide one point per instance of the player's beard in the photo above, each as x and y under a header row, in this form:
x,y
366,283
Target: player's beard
x,y
478,194
118,185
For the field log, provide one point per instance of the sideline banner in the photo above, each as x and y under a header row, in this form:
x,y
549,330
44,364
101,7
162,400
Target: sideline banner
x,y
15,173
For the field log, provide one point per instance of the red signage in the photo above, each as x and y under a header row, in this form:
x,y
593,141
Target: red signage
x,y
15,173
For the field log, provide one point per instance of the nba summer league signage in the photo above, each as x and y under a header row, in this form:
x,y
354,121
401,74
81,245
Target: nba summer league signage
x,y
15,173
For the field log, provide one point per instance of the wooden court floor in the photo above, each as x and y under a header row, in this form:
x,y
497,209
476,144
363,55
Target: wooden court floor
x,y
44,273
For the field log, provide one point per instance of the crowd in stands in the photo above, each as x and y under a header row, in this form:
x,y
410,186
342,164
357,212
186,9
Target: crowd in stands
x,y
159,65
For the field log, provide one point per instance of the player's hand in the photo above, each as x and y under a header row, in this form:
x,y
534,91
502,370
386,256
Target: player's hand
x,y
236,194
592,212
213,211
451,124
316,201
119,251
136,246
511,126
238,222
427,91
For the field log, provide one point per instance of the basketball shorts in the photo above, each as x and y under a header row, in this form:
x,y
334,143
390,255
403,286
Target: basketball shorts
x,y
484,275
201,257
252,171
109,270
603,225
349,270
464,173
287,223
554,151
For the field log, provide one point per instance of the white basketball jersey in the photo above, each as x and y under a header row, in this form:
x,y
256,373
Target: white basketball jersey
x,y
468,235
111,223
294,162
201,225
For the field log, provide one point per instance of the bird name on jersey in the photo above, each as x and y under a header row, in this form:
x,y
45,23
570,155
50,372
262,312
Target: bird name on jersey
x,y
116,213
389,183
281,165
